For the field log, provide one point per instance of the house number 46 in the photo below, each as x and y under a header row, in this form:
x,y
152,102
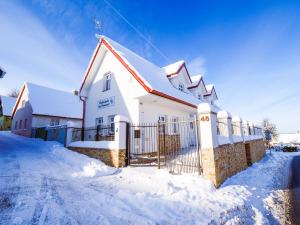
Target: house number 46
x,y
204,118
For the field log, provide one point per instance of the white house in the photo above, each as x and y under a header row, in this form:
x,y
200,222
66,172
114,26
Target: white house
x,y
118,81
39,106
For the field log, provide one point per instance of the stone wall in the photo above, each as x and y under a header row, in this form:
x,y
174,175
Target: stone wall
x,y
115,158
257,150
224,161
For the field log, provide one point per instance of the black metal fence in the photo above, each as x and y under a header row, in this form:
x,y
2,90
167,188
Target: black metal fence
x,y
55,133
99,133
174,145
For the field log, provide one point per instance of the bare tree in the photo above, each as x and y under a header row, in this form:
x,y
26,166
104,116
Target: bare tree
x,y
13,93
269,129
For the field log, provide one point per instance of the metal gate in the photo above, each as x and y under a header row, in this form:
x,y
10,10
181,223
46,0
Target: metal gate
x,y
173,145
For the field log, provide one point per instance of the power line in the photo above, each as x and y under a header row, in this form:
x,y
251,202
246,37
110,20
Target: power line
x,y
137,31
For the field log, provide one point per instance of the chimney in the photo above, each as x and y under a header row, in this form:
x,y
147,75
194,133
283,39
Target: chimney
x,y
75,92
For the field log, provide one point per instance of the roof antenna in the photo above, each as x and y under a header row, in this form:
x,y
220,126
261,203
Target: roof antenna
x,y
98,26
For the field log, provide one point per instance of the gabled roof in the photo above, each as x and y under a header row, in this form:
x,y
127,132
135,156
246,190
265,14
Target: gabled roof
x,y
151,77
173,68
211,90
179,66
197,81
51,102
7,105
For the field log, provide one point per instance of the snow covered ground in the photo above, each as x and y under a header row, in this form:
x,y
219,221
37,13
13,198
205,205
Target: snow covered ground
x,y
44,183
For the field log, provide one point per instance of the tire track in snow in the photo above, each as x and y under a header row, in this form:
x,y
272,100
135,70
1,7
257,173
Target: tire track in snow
x,y
48,196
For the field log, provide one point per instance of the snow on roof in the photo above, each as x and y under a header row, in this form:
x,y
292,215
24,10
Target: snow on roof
x,y
151,74
209,87
173,68
48,101
289,138
196,78
7,105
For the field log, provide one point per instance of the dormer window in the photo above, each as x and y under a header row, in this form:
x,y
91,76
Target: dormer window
x,y
181,87
107,82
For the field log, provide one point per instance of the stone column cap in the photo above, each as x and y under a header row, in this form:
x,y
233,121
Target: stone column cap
x,y
245,122
206,108
223,114
120,118
236,119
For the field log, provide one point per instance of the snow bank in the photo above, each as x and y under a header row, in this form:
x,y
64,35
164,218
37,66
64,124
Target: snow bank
x,y
94,144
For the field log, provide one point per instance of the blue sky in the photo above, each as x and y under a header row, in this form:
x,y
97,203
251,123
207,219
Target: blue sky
x,y
250,50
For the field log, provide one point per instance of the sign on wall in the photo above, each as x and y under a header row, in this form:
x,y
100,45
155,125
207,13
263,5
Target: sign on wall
x,y
106,102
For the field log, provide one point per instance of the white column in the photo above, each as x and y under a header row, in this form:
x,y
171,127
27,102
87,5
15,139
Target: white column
x,y
120,132
246,130
207,115
225,118
237,122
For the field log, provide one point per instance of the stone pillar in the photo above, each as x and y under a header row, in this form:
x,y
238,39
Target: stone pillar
x,y
245,128
120,132
208,140
225,118
237,122
120,139
207,115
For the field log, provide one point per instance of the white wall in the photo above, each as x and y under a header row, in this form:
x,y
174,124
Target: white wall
x,y
181,77
151,111
124,88
23,113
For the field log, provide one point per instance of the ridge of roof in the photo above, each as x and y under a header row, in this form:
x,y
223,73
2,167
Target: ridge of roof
x,y
146,73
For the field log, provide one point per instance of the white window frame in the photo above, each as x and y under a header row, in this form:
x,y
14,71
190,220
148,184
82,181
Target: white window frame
x,y
175,125
107,81
111,123
163,119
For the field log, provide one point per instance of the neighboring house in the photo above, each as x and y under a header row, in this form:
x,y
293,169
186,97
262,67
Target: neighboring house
x,y
39,106
6,108
118,81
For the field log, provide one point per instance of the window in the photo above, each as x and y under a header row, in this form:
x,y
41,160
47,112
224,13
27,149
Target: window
x,y
16,125
175,125
199,96
54,122
181,87
25,124
107,82
20,125
99,121
162,119
111,123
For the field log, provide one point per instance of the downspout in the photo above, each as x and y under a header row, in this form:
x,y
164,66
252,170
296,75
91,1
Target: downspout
x,y
83,99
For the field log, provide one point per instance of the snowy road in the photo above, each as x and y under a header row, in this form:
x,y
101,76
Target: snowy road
x,y
44,183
